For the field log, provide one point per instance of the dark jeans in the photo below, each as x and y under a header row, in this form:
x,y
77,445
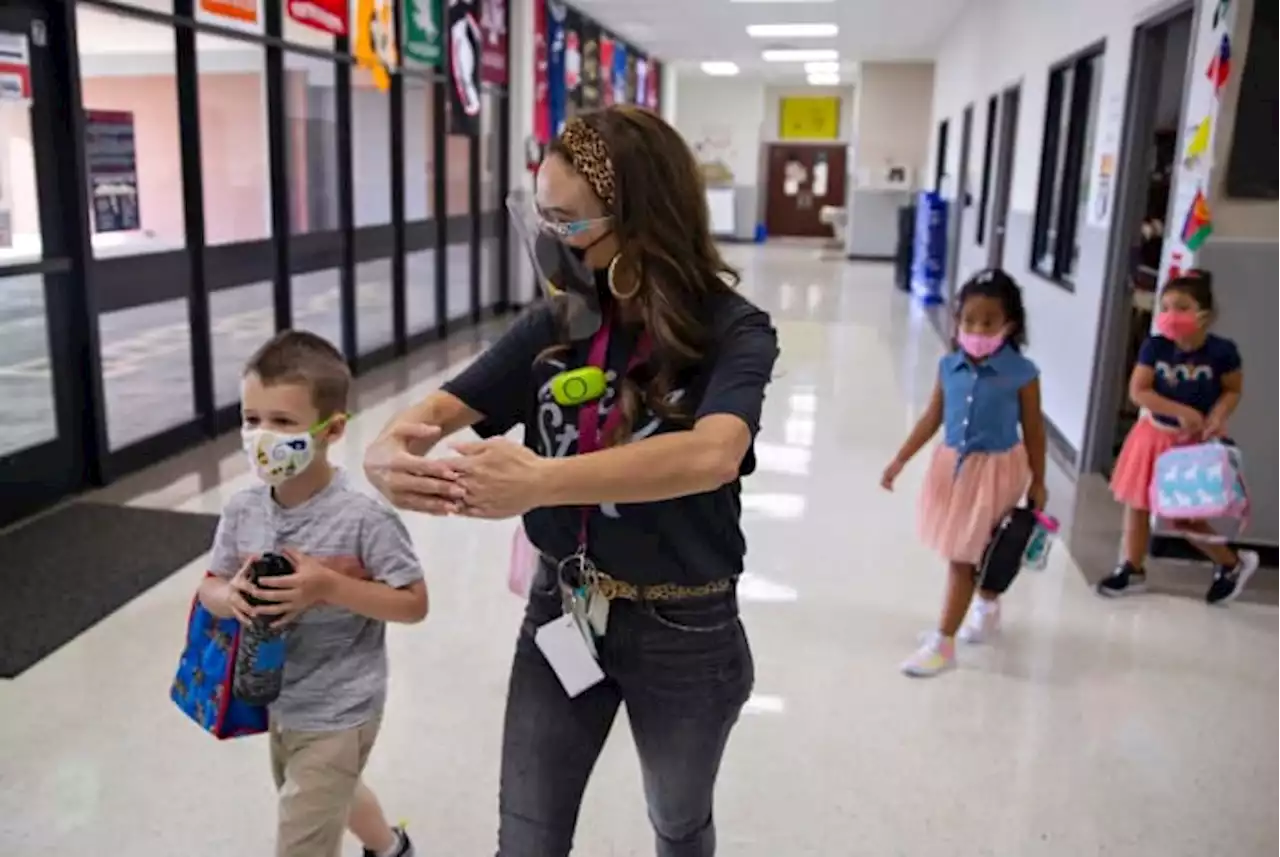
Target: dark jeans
x,y
683,669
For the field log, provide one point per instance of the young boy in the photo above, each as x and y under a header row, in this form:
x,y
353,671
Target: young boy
x,y
354,571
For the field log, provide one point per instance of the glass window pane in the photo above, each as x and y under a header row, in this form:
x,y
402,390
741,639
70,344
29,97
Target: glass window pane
x,y
234,164
26,376
1094,74
491,205
370,150
457,188
133,148
420,291
316,304
241,319
418,145
311,121
1063,117
373,305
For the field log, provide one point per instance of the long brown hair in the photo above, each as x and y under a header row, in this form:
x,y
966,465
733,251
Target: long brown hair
x,y
665,250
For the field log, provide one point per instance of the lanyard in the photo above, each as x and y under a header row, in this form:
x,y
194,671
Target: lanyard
x,y
591,431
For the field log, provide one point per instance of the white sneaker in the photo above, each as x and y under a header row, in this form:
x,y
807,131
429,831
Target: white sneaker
x,y
936,655
981,624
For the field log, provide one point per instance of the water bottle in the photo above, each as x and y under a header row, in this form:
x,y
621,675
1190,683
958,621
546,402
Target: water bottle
x,y
1036,556
259,671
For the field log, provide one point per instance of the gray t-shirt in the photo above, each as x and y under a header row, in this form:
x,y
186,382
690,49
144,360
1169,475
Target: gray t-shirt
x,y
335,674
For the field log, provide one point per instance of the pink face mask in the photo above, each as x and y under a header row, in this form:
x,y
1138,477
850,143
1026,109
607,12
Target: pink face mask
x,y
980,346
1177,323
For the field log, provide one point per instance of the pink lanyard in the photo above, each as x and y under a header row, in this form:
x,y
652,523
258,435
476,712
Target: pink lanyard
x,y
591,432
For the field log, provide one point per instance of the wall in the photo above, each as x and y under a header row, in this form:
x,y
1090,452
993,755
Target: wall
x,y
893,106
994,45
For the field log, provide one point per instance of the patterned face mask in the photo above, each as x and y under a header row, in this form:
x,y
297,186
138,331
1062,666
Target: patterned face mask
x,y
278,457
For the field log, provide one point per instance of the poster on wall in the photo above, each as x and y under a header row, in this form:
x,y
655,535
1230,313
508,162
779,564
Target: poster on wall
x,y
541,82
424,31
111,160
572,63
493,57
464,67
1191,220
557,94
606,69
375,40
590,98
327,16
620,51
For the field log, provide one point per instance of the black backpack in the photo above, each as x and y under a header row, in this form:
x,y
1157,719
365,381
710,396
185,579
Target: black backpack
x,y
1002,558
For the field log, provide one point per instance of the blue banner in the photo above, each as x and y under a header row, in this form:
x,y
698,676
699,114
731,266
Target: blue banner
x,y
556,14
620,93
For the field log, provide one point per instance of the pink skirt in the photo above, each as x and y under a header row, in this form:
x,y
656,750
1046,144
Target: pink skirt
x,y
1131,479
960,508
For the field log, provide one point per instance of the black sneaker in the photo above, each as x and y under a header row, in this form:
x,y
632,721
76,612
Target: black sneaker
x,y
1125,580
1229,582
404,849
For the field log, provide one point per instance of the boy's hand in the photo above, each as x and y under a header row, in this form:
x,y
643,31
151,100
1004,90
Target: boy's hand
x,y
237,588
294,594
890,474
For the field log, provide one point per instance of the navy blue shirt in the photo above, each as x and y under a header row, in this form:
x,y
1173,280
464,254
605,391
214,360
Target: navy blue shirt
x,y
981,411
1192,378
685,540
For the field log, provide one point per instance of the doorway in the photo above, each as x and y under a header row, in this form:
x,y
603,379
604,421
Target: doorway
x,y
1006,147
41,448
1157,85
801,180
960,205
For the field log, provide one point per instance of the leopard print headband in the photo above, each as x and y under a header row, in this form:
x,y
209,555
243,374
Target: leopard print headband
x,y
590,158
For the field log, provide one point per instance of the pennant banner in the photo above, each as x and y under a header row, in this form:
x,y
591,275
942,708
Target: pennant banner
x,y
493,56
557,92
464,67
606,69
424,31
590,98
375,40
541,78
572,63
327,16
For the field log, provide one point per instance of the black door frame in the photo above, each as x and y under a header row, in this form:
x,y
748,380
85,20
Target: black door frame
x,y
80,287
1006,148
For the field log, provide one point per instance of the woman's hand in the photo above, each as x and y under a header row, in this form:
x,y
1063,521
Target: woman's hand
x,y
501,479
411,481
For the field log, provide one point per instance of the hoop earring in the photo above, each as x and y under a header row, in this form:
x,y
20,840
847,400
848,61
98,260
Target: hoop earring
x,y
613,264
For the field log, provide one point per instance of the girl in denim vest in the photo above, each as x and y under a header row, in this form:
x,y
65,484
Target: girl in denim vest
x,y
987,401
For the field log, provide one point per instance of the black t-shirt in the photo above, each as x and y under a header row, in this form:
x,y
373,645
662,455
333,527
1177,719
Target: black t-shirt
x,y
687,540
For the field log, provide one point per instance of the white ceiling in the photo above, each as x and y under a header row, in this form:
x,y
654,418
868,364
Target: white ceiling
x,y
688,32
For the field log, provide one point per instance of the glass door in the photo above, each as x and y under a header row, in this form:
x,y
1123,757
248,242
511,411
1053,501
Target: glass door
x,y
40,456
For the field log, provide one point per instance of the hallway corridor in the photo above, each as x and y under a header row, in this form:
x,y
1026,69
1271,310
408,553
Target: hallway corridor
x,y
1129,728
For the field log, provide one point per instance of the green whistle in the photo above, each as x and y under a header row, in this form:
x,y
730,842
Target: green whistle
x,y
578,385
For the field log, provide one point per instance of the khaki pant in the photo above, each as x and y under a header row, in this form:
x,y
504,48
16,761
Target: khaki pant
x,y
316,774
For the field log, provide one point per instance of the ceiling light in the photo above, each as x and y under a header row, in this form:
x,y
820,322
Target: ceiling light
x,y
720,69
824,79
792,31
793,55
822,67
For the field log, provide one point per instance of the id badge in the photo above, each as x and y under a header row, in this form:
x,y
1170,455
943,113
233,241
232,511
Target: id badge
x,y
562,643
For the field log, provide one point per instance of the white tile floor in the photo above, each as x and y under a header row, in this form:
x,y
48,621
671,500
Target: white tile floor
x,y
1147,727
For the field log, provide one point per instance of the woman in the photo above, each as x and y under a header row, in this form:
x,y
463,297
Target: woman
x,y
633,501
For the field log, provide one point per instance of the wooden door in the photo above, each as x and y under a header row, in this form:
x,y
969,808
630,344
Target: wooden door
x,y
801,180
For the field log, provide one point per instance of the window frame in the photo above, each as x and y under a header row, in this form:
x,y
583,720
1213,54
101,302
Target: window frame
x,y
1058,189
988,163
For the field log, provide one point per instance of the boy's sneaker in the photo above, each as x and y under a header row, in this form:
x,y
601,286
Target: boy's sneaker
x,y
1230,582
404,848
981,624
1125,580
936,655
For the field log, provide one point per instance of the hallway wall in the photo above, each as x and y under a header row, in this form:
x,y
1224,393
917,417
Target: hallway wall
x,y
1001,43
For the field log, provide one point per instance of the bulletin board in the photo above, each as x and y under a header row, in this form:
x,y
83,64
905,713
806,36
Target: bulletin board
x,y
809,118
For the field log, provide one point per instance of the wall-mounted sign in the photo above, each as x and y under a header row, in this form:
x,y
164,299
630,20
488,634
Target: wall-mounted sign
x,y
464,67
327,16
375,43
493,54
809,118
111,156
423,31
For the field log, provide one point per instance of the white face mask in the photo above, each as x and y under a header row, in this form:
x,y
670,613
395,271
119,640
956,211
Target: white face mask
x,y
278,457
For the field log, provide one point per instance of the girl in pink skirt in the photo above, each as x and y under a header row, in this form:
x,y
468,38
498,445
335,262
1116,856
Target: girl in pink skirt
x,y
987,400
1187,382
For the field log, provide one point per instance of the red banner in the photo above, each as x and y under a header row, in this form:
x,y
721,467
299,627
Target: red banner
x,y
493,53
328,16
541,81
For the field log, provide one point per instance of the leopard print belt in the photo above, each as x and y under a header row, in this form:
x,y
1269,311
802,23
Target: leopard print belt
x,y
612,589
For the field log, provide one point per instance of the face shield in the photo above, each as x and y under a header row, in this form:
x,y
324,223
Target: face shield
x,y
561,274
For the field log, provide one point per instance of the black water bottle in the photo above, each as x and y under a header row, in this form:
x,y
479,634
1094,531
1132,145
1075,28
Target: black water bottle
x,y
260,659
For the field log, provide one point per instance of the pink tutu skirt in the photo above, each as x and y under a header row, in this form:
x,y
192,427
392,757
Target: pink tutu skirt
x,y
960,508
1131,479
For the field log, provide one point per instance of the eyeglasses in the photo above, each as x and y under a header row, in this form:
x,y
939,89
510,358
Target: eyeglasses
x,y
569,228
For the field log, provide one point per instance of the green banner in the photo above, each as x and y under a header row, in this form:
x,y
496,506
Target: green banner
x,y
424,31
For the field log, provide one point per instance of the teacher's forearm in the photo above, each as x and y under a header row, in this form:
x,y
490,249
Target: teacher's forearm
x,y
441,409
644,471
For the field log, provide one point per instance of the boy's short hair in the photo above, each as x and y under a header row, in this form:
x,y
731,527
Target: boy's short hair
x,y
299,357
